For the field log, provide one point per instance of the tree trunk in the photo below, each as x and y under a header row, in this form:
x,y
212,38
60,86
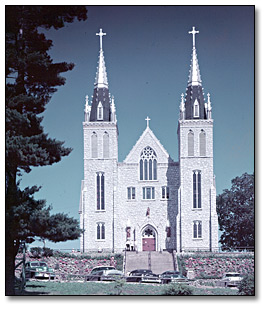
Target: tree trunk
x,y
10,267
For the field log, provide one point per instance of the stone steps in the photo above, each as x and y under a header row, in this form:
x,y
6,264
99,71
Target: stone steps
x,y
158,263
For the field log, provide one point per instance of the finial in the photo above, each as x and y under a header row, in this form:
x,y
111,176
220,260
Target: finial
x,y
182,97
182,105
193,32
100,34
86,100
147,120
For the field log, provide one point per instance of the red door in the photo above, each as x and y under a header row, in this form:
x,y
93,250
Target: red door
x,y
149,244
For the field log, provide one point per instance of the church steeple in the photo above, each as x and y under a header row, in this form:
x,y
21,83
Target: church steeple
x,y
194,102
101,101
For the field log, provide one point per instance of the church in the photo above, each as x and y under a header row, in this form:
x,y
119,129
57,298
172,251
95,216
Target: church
x,y
148,202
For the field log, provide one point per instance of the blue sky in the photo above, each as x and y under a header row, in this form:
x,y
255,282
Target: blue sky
x,y
147,53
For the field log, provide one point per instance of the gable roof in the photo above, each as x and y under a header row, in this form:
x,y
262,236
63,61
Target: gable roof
x,y
147,138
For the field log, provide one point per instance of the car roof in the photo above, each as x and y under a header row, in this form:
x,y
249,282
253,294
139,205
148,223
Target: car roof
x,y
100,267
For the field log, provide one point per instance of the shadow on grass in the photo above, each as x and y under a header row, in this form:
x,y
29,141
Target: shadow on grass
x,y
28,292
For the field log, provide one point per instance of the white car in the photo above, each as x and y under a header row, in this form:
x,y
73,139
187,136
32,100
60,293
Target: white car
x,y
231,279
105,273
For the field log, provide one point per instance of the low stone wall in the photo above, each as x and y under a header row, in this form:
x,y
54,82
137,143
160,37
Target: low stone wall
x,y
215,265
74,265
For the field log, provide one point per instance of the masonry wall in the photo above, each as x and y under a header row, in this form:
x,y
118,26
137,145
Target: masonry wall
x,y
207,213
92,216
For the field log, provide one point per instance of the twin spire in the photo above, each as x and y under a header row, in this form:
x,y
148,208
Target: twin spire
x,y
193,107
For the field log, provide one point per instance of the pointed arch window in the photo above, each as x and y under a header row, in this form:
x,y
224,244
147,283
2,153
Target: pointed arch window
x,y
94,148
148,164
197,189
202,143
190,144
100,191
197,229
196,113
100,111
100,231
105,145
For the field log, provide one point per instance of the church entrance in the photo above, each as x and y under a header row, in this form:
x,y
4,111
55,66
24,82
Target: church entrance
x,y
148,239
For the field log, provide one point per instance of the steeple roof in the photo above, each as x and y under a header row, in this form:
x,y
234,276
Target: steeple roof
x,y
101,102
194,102
101,76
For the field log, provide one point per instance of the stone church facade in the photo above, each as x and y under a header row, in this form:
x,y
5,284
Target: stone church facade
x,y
148,202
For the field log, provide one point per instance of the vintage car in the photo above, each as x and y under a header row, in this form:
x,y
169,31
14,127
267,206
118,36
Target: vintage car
x,y
104,273
231,279
38,269
143,276
172,276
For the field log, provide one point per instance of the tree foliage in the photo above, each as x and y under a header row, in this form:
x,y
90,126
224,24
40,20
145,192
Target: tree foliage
x,y
235,208
31,79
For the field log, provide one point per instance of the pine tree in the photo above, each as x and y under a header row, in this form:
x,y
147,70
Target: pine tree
x,y
31,80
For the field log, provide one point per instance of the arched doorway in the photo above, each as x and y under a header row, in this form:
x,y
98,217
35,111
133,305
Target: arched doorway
x,y
149,239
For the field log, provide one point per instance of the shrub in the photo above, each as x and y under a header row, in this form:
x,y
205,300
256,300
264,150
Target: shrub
x,y
178,290
247,286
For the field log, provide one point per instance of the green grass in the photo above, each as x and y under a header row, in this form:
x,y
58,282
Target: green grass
x,y
109,288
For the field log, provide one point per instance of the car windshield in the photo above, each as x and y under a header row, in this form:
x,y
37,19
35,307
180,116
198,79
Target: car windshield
x,y
232,274
43,264
35,264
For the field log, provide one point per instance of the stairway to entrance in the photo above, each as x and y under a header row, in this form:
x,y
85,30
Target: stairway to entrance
x,y
155,261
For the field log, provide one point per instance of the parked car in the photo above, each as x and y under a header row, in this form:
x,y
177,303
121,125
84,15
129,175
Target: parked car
x,y
172,276
38,269
230,279
104,273
143,275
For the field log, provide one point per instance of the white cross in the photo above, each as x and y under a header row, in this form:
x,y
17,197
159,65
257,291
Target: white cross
x,y
147,120
193,32
100,34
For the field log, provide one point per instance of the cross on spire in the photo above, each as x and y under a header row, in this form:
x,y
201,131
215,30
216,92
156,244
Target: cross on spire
x,y
147,121
100,34
193,32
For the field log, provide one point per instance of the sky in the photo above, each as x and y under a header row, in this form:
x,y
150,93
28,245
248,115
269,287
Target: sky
x,y
147,54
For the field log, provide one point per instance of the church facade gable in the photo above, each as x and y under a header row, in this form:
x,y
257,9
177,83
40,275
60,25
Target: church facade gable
x,y
147,139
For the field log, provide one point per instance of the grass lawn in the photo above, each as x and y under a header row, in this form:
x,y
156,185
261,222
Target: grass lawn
x,y
109,288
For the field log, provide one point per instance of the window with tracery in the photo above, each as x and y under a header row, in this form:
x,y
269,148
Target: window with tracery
x,y
148,164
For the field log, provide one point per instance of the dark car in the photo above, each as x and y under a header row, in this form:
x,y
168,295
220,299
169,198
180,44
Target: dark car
x,y
104,273
38,269
172,276
142,275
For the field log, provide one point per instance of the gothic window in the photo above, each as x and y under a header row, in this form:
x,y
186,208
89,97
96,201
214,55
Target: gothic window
x,y
99,111
131,193
94,145
105,145
202,143
100,231
100,191
197,229
197,189
196,109
190,143
165,192
148,193
148,164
